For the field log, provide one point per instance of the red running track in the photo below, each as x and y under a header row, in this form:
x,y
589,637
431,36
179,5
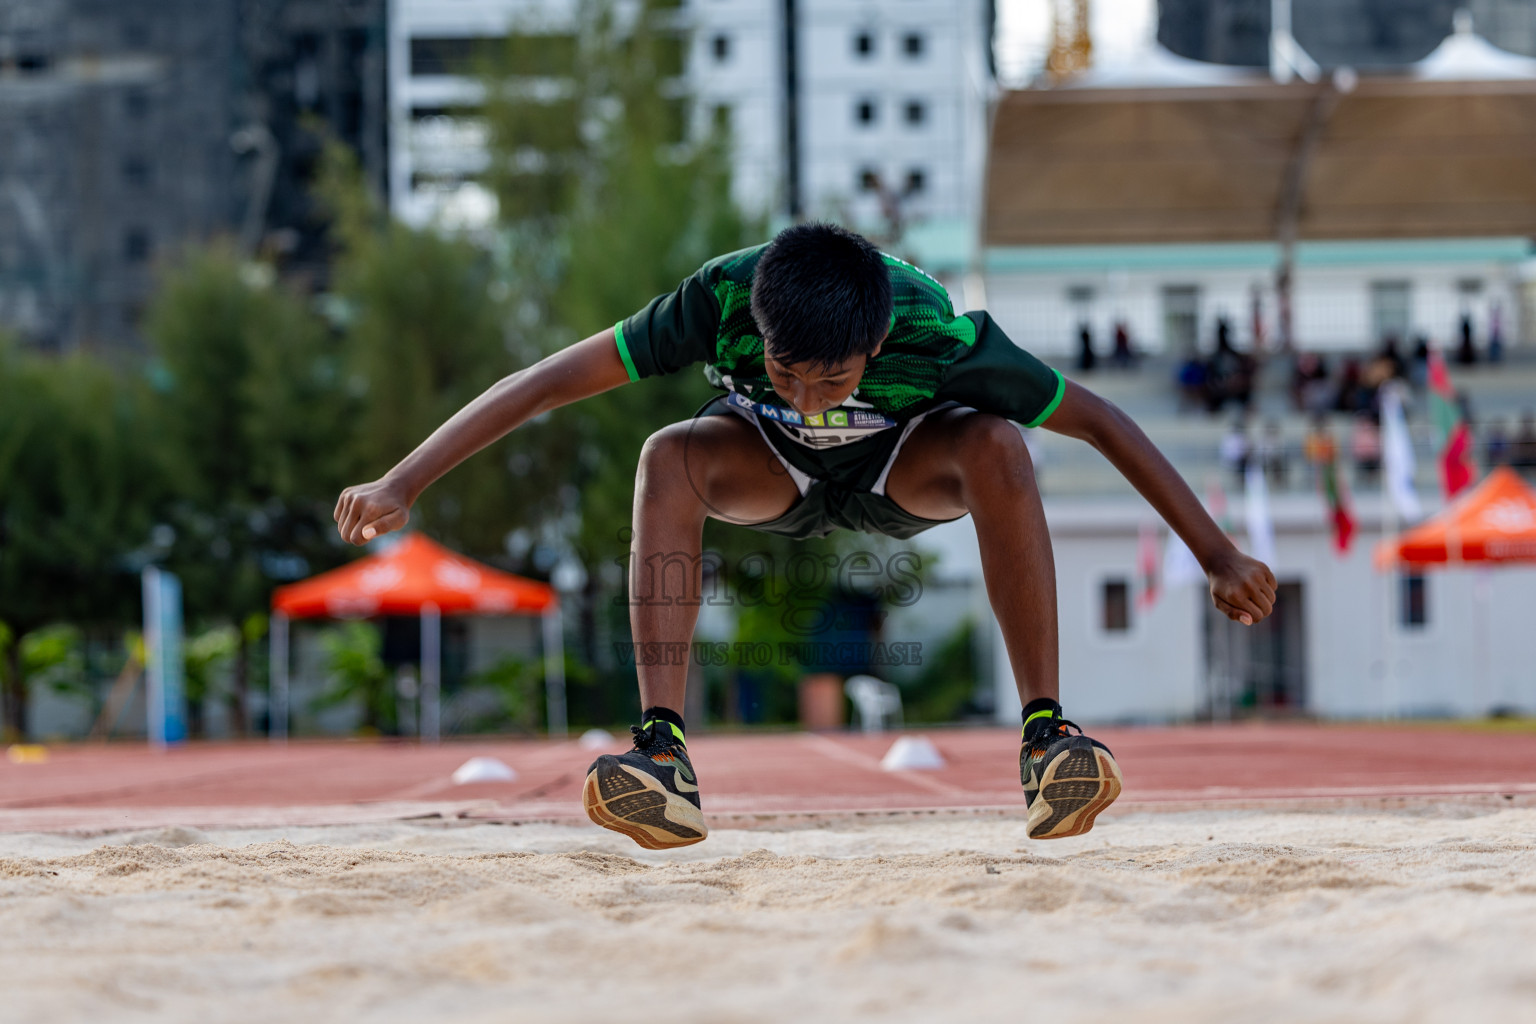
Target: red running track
x,y
746,777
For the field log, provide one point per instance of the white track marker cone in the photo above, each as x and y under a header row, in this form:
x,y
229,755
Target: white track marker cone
x,y
483,769
912,753
595,739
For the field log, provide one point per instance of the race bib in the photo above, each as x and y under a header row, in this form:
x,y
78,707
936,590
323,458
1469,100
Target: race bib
x,y
824,430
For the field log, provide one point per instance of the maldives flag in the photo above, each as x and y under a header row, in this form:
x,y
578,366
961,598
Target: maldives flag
x,y
1451,431
1338,508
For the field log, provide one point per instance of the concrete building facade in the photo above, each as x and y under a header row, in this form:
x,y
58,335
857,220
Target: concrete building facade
x,y
136,127
117,117
873,114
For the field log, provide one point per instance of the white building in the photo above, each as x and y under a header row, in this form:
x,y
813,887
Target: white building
x,y
1154,193
842,108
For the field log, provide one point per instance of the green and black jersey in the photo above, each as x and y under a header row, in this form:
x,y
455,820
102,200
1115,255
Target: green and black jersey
x,y
930,357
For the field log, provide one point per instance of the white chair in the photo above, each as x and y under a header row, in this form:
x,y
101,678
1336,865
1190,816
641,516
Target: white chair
x,y
877,703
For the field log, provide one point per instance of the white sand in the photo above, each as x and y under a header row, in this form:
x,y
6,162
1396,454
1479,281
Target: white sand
x,y
1423,915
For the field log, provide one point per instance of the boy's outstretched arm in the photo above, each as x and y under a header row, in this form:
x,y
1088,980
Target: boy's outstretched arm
x,y
1243,588
586,368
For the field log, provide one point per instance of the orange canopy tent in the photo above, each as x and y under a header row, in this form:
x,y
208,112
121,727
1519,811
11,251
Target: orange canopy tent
x,y
417,576
1493,523
412,574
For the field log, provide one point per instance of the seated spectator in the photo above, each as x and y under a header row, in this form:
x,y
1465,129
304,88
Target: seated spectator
x,y
1191,384
1318,449
1466,351
1387,364
1229,373
1309,383
1124,355
1351,396
1418,368
1365,448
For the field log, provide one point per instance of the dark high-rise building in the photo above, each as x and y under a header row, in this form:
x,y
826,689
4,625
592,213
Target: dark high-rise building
x,y
132,128
315,68
115,117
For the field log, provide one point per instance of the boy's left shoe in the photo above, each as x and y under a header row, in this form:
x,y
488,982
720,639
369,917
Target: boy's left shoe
x,y
649,793
1067,779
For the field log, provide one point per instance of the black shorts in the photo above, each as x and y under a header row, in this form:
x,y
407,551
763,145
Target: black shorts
x,y
853,500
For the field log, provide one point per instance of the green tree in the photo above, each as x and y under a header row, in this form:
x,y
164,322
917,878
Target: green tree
x,y
251,407
425,327
608,201
78,482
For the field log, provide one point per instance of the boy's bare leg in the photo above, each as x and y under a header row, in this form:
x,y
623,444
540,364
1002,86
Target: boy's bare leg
x,y
713,466
962,461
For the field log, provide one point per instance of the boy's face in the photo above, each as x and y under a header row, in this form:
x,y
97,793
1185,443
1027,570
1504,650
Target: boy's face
x,y
811,388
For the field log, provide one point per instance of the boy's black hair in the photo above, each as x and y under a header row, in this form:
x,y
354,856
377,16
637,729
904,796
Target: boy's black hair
x,y
821,294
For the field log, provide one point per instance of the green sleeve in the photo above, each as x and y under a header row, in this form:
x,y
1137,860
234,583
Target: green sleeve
x,y
997,376
673,331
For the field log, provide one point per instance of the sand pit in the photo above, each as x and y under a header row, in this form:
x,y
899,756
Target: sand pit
x,y
1422,914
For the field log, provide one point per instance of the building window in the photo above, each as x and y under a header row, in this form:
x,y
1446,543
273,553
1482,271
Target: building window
x,y
1414,612
721,45
864,111
869,179
1181,320
864,44
444,56
1117,606
136,245
721,118
912,44
917,180
916,112
1391,310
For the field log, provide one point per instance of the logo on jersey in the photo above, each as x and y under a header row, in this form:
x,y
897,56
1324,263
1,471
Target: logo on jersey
x,y
823,430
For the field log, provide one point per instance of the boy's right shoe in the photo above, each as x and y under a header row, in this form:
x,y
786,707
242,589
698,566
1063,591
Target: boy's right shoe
x,y
649,793
1067,779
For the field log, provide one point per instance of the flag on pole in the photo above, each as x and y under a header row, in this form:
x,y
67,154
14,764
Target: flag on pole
x,y
1397,453
1179,563
1147,567
1338,507
1261,527
1452,434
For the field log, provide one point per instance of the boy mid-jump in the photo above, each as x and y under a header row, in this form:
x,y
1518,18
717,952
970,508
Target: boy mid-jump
x,y
854,398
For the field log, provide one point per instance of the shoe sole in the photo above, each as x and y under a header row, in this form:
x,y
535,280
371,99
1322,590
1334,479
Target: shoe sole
x,y
1075,787
626,800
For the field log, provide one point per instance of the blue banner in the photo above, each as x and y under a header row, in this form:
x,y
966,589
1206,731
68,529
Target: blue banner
x,y
164,669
